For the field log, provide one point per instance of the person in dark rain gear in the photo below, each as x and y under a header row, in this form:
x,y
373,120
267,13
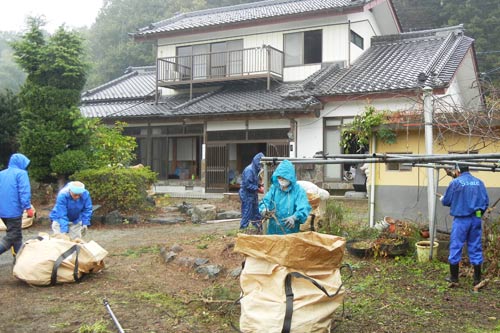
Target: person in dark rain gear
x,y
468,200
249,188
15,198
287,200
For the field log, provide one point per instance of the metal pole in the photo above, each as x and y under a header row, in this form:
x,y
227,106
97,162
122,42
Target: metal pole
x,y
372,185
117,324
383,159
433,231
431,200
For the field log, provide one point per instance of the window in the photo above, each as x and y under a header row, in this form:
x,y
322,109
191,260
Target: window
x,y
357,40
331,145
303,48
398,166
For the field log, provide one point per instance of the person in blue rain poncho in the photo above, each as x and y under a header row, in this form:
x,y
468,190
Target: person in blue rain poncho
x,y
287,200
249,188
15,198
468,200
73,210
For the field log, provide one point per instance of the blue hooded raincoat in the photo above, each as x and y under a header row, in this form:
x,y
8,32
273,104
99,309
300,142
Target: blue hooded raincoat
x,y
292,201
68,210
465,196
15,189
248,193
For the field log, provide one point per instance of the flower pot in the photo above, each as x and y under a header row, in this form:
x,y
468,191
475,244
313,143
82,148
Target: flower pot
x,y
424,250
392,247
361,248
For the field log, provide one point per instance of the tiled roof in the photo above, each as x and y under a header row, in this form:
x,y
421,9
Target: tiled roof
x,y
394,63
246,98
136,83
245,12
140,108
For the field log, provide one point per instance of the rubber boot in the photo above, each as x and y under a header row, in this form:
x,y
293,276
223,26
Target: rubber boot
x,y
453,278
477,275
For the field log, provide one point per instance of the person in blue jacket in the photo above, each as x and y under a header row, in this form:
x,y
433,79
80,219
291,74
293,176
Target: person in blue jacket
x,y
286,201
15,198
468,200
73,210
249,188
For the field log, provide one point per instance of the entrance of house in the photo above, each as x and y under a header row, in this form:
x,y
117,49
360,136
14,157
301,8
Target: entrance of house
x,y
226,161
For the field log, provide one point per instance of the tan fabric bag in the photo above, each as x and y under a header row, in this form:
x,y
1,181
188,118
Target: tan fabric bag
x,y
26,221
49,260
290,283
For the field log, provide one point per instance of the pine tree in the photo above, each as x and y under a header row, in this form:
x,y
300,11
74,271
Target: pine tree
x,y
50,95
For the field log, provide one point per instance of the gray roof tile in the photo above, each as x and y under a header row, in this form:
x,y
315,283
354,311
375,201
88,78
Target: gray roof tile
x,y
138,108
246,98
245,12
136,83
394,63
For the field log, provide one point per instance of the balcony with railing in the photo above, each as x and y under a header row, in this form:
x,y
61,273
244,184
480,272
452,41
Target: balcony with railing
x,y
262,63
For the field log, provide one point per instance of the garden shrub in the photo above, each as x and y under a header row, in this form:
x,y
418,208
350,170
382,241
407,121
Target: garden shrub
x,y
69,162
118,188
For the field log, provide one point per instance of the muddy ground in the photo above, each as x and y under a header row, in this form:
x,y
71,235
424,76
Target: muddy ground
x,y
148,295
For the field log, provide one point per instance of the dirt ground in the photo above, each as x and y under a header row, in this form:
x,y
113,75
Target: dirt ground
x,y
148,295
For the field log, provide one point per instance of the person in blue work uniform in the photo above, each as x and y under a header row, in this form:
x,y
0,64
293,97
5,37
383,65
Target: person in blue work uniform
x,y
287,200
468,200
73,210
249,188
15,198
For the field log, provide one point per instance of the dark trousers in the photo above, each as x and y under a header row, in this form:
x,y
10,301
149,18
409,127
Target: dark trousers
x,y
14,236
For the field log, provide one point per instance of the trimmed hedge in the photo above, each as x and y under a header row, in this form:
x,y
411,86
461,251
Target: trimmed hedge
x,y
118,188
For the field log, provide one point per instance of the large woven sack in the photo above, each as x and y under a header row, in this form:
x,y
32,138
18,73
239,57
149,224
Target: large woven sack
x,y
26,221
49,260
290,283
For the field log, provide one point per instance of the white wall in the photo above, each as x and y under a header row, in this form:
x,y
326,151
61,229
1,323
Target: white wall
x,y
335,38
310,130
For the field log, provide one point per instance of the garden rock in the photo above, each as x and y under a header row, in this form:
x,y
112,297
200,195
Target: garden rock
x,y
113,218
203,213
230,214
167,256
209,270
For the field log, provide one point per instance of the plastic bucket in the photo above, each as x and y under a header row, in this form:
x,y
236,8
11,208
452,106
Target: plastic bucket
x,y
424,250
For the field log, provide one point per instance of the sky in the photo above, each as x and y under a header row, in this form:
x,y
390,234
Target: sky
x,y
73,13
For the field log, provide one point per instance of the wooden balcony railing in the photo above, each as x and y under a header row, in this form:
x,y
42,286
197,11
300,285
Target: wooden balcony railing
x,y
261,62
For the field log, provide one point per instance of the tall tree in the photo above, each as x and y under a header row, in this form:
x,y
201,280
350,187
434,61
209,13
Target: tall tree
x,y
11,76
481,21
9,125
50,96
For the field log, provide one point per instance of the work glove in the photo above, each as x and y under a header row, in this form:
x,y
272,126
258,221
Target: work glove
x,y
30,212
84,230
289,222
